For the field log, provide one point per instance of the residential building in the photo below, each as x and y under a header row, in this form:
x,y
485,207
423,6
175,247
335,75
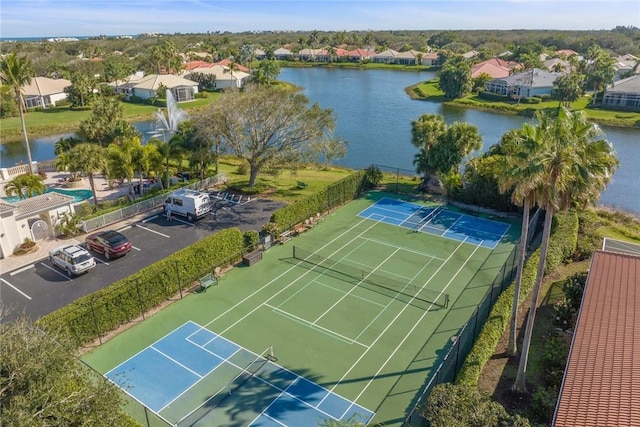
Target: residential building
x,y
224,77
386,56
495,67
526,84
44,92
602,377
282,54
147,86
623,94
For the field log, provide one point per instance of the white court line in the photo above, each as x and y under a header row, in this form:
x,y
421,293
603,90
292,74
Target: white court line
x,y
314,326
176,362
55,271
20,270
153,231
355,286
274,280
16,289
413,251
389,326
412,329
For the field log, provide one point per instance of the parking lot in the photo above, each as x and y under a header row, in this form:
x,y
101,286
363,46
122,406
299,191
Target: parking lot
x,y
38,288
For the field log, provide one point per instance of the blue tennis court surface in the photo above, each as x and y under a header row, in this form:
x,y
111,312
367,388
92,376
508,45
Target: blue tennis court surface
x,y
166,376
436,220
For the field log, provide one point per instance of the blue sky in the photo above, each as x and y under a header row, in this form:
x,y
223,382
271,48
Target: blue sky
x,y
36,18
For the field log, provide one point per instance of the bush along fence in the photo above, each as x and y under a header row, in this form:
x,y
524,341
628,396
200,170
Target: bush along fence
x,y
476,341
334,195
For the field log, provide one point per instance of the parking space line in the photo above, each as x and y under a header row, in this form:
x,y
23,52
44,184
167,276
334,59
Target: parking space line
x,y
20,270
100,261
153,231
126,227
16,289
151,218
55,271
137,249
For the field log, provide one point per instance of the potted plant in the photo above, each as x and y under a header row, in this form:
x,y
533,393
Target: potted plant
x,y
28,246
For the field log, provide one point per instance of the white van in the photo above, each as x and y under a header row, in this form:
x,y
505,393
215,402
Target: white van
x,y
191,204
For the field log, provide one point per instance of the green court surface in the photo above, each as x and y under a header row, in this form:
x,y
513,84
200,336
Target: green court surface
x,y
372,344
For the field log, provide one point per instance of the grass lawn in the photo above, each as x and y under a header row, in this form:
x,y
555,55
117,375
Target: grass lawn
x,y
430,91
63,119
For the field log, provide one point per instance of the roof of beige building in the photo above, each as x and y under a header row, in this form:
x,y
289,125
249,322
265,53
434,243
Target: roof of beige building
x,y
42,86
41,203
153,81
601,385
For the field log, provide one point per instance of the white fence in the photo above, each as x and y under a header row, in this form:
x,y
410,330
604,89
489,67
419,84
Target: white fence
x,y
145,205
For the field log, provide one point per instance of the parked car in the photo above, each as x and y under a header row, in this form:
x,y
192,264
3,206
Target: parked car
x,y
109,243
188,203
72,259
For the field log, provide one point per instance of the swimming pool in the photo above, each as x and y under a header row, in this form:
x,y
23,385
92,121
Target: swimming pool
x,y
78,195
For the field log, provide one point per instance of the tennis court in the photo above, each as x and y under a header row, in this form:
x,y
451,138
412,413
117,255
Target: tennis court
x,y
346,322
438,221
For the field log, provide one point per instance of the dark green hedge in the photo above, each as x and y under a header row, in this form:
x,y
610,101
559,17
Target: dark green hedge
x,y
103,311
331,197
562,243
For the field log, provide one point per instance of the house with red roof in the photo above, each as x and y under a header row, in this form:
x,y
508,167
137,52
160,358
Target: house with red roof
x,y
601,384
495,67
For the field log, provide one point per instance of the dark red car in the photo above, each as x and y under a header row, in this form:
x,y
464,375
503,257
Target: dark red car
x,y
109,243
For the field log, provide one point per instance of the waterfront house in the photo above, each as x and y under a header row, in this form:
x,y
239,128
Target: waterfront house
x,y
409,57
146,87
360,55
623,95
282,54
386,56
523,85
44,92
495,67
224,77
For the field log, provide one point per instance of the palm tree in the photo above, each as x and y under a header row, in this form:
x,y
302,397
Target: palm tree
x,y
521,177
17,72
576,167
25,186
89,158
169,151
230,69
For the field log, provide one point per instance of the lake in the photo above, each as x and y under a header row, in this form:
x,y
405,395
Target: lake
x,y
374,115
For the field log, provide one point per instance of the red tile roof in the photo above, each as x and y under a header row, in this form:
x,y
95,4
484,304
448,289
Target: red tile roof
x,y
226,63
196,64
601,385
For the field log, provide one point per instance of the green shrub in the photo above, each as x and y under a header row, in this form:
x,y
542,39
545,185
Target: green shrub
x,y
543,404
493,96
136,100
251,239
562,235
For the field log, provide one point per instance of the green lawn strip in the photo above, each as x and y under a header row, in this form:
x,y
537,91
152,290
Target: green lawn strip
x,y
430,91
63,119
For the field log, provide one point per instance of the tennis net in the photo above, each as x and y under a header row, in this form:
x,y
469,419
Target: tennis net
x,y
246,373
386,285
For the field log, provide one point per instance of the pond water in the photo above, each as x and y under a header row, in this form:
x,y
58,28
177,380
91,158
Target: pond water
x,y
374,115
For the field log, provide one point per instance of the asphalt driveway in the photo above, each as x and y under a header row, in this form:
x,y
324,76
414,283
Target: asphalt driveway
x,y
39,288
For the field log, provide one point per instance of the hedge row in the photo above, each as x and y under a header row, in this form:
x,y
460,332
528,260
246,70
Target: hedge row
x,y
331,197
105,310
562,243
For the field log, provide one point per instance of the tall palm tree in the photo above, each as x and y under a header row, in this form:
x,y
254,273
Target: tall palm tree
x,y
576,167
17,72
169,151
89,158
521,177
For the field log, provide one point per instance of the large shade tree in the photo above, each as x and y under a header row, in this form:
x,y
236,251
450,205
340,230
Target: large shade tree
x,y
267,126
17,72
442,148
576,165
43,384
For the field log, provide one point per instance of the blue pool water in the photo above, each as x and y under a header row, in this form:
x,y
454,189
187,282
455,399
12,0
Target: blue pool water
x,y
78,195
